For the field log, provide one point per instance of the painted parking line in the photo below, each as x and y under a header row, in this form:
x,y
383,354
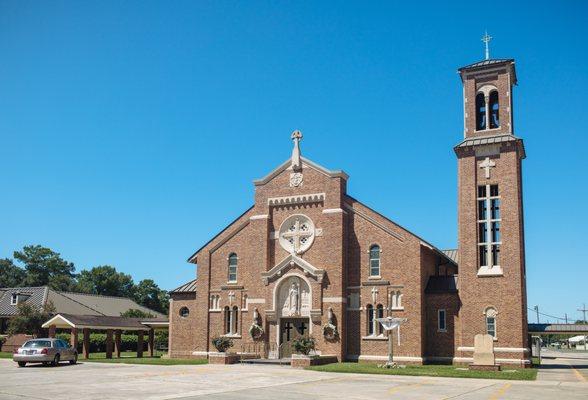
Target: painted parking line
x,y
580,377
399,388
500,392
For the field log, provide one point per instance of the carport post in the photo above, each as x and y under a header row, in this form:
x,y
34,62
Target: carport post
x,y
117,342
52,331
139,344
109,343
73,338
151,342
86,342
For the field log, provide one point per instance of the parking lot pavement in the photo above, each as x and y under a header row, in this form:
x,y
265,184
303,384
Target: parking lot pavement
x,y
563,367
121,381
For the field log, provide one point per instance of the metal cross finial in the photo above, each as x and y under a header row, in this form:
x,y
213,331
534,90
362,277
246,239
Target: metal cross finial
x,y
486,39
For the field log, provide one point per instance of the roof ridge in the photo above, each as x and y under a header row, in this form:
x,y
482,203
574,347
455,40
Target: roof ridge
x,y
97,295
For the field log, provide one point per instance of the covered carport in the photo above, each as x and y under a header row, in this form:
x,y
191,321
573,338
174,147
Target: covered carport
x,y
113,327
537,330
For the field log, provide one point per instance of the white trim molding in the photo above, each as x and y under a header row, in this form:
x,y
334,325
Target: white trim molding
x,y
498,349
334,300
255,301
261,216
363,357
334,211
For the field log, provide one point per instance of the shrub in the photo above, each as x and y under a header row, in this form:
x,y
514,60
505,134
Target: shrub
x,y
222,343
303,345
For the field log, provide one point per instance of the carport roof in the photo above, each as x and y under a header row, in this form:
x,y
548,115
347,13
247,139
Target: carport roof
x,y
102,322
558,328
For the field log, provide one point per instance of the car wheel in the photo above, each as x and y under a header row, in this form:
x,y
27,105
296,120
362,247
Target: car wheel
x,y
22,363
74,360
55,360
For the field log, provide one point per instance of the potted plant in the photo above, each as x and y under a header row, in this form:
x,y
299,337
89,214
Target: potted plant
x,y
303,345
222,344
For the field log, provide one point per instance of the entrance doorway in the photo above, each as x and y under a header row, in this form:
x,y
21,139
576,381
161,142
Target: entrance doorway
x,y
290,329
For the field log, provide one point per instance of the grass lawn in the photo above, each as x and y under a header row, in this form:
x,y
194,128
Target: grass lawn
x,y
131,358
5,354
528,374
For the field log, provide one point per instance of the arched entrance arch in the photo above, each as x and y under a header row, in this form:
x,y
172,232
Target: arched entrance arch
x,y
292,303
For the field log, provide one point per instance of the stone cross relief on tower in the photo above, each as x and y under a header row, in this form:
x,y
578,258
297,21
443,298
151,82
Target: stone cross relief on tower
x,y
486,165
296,176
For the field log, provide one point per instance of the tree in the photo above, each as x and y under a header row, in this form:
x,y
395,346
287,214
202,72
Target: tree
x,y
149,295
134,313
43,267
10,274
29,319
105,280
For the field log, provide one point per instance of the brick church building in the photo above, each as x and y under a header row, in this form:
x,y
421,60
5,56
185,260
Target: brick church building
x,y
309,259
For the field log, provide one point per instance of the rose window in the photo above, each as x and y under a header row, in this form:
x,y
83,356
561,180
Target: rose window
x,y
296,234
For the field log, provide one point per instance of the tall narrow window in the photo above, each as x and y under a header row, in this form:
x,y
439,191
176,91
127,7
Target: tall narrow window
x,y
379,314
370,319
233,267
494,115
375,260
491,322
480,112
14,299
489,236
235,320
227,320
441,321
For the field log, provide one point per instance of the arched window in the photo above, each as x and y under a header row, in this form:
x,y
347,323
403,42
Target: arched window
x,y
493,104
379,314
227,320
491,321
235,321
370,319
480,112
375,260
184,312
233,267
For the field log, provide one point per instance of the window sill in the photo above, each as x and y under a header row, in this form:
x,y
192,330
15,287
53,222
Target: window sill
x,y
397,309
232,336
442,330
215,310
375,337
490,271
374,277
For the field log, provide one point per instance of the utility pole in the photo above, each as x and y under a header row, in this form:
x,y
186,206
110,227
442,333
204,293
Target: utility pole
x,y
566,315
583,309
537,311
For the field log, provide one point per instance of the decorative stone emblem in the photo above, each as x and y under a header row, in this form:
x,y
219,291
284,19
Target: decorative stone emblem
x,y
297,234
296,179
486,165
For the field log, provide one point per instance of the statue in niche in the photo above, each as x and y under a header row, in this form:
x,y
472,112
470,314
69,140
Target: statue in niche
x,y
294,298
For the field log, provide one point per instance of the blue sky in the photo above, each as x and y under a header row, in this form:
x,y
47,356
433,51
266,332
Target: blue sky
x,y
131,131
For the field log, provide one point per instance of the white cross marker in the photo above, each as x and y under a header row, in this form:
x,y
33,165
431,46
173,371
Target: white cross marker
x,y
375,294
296,234
487,164
231,297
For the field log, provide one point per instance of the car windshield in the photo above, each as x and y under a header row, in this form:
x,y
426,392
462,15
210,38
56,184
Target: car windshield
x,y
37,343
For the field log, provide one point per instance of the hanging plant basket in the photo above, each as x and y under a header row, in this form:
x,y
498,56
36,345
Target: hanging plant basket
x,y
330,332
255,331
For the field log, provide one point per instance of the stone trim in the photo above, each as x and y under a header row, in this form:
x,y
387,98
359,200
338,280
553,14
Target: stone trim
x,y
375,283
290,261
378,337
498,349
297,199
334,211
363,357
255,301
306,163
261,216
334,300
232,287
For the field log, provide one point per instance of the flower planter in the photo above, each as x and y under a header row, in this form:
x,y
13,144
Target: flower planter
x,y
302,361
223,358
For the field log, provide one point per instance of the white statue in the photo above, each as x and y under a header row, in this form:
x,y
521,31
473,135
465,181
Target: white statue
x,y
294,298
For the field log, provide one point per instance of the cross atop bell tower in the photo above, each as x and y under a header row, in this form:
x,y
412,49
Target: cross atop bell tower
x,y
486,39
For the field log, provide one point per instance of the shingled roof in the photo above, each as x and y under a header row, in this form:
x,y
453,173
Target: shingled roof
x,y
69,302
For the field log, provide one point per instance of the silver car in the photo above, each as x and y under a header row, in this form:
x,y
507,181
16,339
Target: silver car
x,y
46,351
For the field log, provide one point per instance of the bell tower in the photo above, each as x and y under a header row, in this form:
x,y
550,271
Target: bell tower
x,y
492,282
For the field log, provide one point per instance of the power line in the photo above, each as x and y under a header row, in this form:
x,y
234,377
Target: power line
x,y
536,309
